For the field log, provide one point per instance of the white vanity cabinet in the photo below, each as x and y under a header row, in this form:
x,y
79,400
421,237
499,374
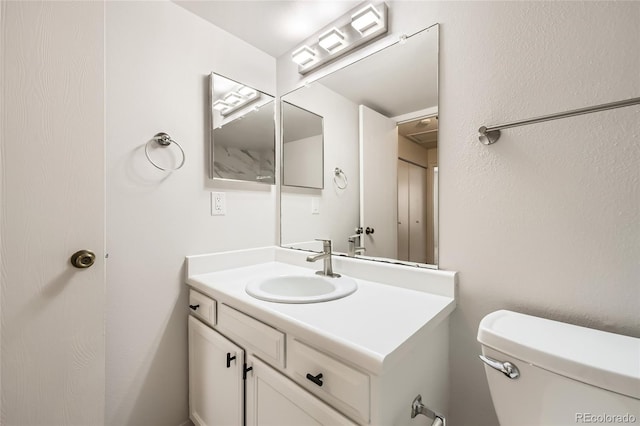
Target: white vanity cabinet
x,y
216,388
359,360
274,400
221,372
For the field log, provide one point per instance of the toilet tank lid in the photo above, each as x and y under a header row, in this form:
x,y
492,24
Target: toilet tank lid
x,y
607,360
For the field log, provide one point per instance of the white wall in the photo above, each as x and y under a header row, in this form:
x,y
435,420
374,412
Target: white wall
x,y
158,57
301,158
555,223
412,152
340,122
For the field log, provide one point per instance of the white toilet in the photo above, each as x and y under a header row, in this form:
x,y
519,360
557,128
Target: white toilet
x,y
545,373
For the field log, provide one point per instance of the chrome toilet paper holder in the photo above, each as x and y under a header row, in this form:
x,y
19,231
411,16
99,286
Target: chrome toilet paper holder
x,y
417,407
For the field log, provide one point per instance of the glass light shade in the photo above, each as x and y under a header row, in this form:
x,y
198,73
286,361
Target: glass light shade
x,y
220,106
247,92
233,98
365,19
303,56
332,40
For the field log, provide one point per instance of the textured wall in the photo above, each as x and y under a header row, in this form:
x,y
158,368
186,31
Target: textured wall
x,y
158,58
547,221
555,229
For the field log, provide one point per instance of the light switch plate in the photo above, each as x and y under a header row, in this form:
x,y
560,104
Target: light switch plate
x,y
218,204
315,205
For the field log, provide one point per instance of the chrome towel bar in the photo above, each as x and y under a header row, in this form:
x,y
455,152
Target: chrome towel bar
x,y
491,134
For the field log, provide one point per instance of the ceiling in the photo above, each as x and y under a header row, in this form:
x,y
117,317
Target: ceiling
x,y
274,27
423,131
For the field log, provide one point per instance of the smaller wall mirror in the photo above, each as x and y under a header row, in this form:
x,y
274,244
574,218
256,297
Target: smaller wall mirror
x,y
302,148
242,132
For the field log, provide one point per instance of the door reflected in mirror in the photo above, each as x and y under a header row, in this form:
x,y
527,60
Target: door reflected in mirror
x,y
380,123
417,180
242,133
302,153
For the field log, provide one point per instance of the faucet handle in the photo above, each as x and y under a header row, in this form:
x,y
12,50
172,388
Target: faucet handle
x,y
326,244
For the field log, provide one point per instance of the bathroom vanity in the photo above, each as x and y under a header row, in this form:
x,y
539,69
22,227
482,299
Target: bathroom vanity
x,y
360,359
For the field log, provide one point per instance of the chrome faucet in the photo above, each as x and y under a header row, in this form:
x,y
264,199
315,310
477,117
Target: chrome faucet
x,y
353,249
326,254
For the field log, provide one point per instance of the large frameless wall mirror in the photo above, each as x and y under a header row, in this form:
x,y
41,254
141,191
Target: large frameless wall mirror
x,y
242,132
380,119
302,153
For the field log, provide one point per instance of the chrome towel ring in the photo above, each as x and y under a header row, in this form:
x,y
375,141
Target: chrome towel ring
x,y
338,173
164,140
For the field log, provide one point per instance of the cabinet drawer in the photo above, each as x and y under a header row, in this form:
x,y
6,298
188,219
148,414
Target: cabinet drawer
x,y
256,337
202,307
341,385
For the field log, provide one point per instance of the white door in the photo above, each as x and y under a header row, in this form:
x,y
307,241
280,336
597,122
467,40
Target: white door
x,y
216,387
433,219
418,214
378,183
53,179
403,210
274,400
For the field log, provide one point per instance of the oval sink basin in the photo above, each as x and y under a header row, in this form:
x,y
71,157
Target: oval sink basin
x,y
301,288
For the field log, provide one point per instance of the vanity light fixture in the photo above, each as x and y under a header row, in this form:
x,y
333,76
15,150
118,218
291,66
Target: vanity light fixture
x,y
365,19
303,56
353,29
332,41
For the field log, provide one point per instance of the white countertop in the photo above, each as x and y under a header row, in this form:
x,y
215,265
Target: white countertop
x,y
375,324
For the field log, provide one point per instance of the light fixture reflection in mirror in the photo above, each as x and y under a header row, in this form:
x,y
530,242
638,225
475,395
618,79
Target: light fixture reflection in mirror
x,y
242,133
380,125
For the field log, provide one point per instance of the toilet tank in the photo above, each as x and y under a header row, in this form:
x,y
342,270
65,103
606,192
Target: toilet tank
x,y
568,375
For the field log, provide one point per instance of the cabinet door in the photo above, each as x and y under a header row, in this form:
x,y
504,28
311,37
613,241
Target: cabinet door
x,y
274,400
215,384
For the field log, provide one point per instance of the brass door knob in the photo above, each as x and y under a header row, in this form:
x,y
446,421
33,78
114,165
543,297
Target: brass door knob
x,y
83,259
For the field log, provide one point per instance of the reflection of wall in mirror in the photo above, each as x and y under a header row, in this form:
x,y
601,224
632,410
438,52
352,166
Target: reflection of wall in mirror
x,y
340,150
301,157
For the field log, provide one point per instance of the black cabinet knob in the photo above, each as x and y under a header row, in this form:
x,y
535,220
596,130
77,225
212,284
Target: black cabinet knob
x,y
317,379
194,307
368,230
